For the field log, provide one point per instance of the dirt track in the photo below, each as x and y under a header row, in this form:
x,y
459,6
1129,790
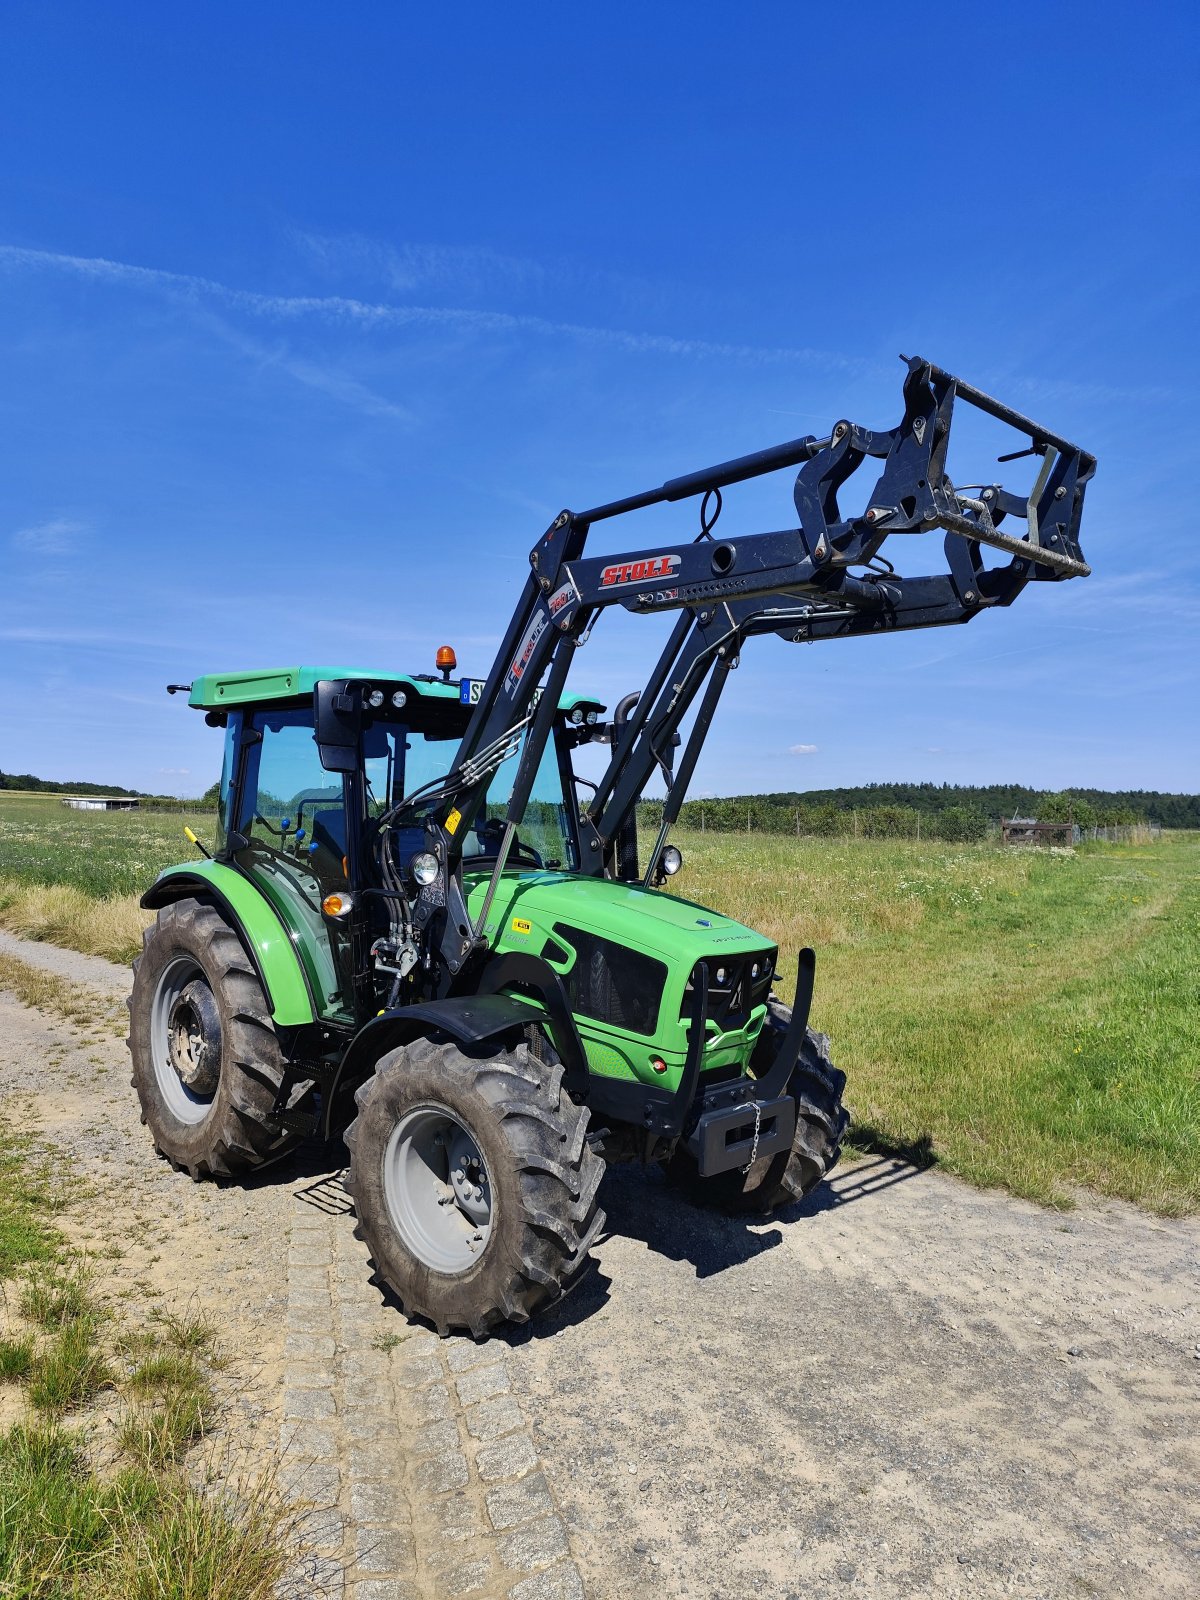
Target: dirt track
x,y
903,1388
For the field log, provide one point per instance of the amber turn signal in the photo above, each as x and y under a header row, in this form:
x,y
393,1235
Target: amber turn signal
x,y
336,905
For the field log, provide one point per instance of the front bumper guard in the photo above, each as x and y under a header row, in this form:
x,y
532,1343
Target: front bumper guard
x,y
754,1117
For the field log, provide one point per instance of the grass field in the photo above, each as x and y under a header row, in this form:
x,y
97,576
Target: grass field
x,y
75,1522
1028,1019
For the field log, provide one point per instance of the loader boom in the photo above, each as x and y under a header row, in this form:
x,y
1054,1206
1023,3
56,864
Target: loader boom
x,y
824,579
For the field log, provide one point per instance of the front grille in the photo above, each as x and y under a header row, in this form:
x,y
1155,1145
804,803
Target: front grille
x,y
611,983
734,988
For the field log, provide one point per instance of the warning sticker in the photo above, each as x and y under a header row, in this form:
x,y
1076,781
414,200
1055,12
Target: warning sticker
x,y
520,925
452,822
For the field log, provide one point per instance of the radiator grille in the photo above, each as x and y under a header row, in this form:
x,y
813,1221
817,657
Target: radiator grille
x,y
611,983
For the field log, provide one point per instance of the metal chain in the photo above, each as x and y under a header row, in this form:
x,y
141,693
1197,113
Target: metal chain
x,y
757,1126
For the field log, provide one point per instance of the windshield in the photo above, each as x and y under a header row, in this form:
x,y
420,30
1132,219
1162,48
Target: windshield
x,y
399,760
545,838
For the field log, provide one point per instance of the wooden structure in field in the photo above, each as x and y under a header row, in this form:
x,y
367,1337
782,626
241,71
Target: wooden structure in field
x,y
1027,830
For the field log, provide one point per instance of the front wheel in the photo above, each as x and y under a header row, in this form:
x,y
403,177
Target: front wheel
x,y
473,1181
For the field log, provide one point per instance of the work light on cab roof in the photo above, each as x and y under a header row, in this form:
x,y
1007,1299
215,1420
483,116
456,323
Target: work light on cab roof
x,y
421,928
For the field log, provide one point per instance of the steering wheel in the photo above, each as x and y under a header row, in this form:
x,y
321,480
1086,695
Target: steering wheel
x,y
491,833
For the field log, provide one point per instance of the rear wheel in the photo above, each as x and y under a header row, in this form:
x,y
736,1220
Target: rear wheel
x,y
206,1060
821,1121
474,1183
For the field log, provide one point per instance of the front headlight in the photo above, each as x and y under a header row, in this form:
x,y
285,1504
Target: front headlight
x,y
671,859
424,867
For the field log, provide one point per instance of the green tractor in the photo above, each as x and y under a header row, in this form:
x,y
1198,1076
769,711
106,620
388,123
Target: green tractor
x,y
421,929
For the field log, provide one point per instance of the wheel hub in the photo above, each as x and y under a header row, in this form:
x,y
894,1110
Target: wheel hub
x,y
194,1038
185,1040
437,1189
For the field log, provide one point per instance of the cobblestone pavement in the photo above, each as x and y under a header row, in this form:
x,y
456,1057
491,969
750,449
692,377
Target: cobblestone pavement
x,y
412,1451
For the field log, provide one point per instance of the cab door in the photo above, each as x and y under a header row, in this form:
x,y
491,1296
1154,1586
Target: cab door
x,y
292,816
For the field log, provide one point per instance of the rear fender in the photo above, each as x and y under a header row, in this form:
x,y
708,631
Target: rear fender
x,y
264,936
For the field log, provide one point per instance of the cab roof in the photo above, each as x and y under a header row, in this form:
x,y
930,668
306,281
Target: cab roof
x,y
217,690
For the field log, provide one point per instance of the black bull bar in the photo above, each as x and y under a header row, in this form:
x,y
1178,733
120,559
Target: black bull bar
x,y
732,1124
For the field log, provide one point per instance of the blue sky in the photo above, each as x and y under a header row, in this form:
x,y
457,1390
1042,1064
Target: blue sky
x,y
311,318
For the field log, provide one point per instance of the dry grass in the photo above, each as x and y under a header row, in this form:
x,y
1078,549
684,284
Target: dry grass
x,y
74,1002
63,915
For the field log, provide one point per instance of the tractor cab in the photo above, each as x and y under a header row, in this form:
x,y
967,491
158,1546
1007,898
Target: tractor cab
x,y
307,786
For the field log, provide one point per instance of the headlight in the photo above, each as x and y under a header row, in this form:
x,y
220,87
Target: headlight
x,y
577,715
424,867
399,699
671,860
374,698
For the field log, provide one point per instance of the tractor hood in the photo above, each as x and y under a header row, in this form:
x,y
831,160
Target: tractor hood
x,y
529,903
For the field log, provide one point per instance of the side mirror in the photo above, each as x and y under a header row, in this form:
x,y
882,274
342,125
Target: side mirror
x,y
338,719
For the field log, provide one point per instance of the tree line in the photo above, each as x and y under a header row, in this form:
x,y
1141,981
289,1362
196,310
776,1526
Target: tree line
x,y
1088,807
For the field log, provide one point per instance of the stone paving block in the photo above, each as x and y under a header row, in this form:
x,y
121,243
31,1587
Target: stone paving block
x,y
368,1425
318,1483
308,1441
379,1458
300,1376
462,1354
443,1472
307,1405
379,1503
360,1390
324,1528
429,1405
468,1578
387,1589
309,1300
434,1438
309,1347
506,1458
314,1578
306,1278
491,1419
535,1545
383,1550
309,1255
511,1503
308,1319
457,1517
482,1383
558,1583
417,1370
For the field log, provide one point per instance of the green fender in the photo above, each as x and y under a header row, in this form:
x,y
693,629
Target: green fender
x,y
265,936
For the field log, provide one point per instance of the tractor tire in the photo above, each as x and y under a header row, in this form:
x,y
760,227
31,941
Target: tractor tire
x,y
206,1060
821,1121
473,1181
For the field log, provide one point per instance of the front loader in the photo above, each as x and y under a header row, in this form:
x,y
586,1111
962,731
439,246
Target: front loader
x,y
422,930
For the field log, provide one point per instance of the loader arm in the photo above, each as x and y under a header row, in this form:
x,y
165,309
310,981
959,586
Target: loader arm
x,y
825,579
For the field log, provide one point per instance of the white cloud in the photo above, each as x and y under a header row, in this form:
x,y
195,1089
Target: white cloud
x,y
802,750
56,538
368,314
174,772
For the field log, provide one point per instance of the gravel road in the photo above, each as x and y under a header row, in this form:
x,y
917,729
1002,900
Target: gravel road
x,y
903,1387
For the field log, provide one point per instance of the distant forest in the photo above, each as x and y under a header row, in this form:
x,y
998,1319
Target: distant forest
x,y
26,780
953,810
1089,807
